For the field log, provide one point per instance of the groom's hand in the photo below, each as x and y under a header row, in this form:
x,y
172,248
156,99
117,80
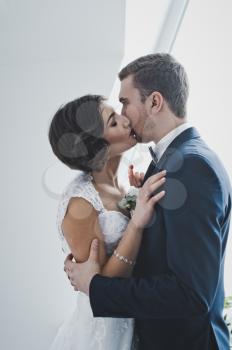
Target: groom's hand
x,y
81,274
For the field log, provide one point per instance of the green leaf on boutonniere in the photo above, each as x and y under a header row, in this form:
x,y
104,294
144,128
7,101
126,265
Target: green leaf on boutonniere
x,y
128,202
228,302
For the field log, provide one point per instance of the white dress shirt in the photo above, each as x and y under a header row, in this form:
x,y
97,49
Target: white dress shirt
x,y
163,144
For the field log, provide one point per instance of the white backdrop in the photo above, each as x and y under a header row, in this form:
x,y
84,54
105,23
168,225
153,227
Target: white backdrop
x,y
204,47
51,52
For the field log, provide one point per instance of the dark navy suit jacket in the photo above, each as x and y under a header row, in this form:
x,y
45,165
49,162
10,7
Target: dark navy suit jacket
x,y
176,293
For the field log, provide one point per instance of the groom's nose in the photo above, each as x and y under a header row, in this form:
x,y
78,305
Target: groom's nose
x,y
126,122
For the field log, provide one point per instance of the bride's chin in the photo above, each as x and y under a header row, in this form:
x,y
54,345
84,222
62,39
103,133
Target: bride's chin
x,y
123,148
131,145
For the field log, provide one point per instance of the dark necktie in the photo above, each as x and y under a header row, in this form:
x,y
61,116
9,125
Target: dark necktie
x,y
152,166
153,155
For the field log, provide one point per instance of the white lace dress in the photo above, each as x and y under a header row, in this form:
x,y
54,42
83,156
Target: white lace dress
x,y
82,331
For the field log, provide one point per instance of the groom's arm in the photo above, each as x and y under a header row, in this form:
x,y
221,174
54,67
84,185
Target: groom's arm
x,y
193,255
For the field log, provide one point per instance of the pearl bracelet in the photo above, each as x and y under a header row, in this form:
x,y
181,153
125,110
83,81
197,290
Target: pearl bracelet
x,y
123,258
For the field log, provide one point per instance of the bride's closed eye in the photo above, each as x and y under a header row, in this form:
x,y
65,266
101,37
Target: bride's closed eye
x,y
114,121
111,120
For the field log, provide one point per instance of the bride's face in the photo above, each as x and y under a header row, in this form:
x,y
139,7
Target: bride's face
x,y
117,131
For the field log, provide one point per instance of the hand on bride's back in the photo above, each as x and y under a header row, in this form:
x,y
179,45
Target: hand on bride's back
x,y
146,199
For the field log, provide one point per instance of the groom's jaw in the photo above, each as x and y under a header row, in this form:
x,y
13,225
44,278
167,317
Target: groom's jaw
x,y
139,139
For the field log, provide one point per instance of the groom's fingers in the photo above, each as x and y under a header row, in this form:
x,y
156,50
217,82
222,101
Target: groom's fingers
x,y
94,250
68,266
68,258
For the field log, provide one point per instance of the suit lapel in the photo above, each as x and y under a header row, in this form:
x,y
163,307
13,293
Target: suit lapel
x,y
186,135
150,171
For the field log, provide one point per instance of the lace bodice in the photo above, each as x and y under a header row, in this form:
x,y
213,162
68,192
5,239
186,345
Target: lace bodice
x,y
113,223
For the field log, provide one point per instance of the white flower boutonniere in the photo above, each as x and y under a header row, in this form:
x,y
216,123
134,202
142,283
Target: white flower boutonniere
x,y
129,200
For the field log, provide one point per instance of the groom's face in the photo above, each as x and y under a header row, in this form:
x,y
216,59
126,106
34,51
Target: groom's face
x,y
133,108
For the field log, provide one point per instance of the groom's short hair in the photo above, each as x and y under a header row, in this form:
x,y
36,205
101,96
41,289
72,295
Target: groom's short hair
x,y
160,72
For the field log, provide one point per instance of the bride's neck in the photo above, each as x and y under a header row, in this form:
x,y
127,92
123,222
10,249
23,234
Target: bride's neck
x,y
109,174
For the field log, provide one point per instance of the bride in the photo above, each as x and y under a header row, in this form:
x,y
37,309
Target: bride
x,y
88,135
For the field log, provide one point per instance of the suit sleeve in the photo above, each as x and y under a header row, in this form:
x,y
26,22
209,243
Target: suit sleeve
x,y
193,235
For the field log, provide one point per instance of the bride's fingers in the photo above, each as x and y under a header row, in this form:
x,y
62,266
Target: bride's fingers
x,y
156,185
149,191
156,177
131,175
137,179
155,199
142,176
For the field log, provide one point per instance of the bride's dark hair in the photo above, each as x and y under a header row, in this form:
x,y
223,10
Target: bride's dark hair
x,y
76,134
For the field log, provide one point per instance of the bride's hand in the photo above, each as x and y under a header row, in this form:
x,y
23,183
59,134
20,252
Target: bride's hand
x,y
146,200
135,179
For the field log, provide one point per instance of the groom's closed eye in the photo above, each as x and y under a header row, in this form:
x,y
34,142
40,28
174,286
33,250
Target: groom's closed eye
x,y
123,100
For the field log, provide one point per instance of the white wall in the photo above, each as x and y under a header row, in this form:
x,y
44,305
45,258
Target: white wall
x,y
51,51
204,47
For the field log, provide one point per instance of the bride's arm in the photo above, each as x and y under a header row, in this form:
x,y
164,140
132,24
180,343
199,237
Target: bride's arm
x,y
128,247
81,226
79,233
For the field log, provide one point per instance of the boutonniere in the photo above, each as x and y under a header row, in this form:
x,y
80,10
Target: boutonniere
x,y
128,202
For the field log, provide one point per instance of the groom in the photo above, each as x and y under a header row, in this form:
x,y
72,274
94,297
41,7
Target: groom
x,y
176,293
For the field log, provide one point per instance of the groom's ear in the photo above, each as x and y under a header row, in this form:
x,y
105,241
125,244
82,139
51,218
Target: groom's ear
x,y
156,101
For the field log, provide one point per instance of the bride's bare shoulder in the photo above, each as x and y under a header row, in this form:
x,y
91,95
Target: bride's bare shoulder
x,y
80,226
80,209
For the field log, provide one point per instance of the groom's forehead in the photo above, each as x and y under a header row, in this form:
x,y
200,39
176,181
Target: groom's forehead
x,y
127,83
127,88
